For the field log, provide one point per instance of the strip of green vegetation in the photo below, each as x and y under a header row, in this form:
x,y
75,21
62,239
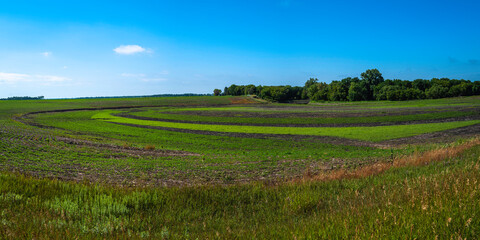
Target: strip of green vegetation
x,y
230,149
439,200
305,120
375,134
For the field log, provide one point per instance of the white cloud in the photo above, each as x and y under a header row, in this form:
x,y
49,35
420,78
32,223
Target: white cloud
x,y
12,78
133,75
144,78
47,54
51,78
153,79
129,49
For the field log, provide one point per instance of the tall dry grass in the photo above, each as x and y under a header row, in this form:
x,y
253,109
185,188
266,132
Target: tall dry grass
x,y
416,159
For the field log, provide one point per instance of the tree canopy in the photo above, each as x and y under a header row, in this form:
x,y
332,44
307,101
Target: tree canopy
x,y
370,86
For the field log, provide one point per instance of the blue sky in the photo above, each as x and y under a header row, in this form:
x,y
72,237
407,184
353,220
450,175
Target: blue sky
x,y
109,48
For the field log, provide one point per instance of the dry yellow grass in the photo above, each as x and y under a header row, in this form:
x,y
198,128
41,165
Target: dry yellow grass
x,y
150,147
416,159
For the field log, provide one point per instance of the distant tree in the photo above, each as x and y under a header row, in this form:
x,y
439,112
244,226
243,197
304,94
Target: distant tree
x,y
421,84
310,82
476,88
318,92
337,91
358,91
443,82
462,89
371,77
437,91
275,93
217,92
295,93
250,89
23,98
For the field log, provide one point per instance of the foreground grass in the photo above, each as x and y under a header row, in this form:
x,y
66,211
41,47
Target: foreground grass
x,y
437,200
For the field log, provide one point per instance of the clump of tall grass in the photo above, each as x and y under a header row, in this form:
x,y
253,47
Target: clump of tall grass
x,y
149,147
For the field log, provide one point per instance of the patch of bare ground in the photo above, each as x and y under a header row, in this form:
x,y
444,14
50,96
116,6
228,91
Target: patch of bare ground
x,y
244,100
437,137
126,149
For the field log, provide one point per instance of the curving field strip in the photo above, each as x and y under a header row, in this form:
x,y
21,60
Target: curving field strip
x,y
307,122
373,134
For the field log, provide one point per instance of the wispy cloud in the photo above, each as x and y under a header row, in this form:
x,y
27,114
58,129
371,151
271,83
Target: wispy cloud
x,y
132,75
129,49
13,78
153,79
47,54
144,78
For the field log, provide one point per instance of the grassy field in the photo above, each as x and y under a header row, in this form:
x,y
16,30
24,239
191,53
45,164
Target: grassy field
x,y
156,114
232,167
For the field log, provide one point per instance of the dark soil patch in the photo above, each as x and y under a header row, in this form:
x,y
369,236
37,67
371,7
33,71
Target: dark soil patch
x,y
128,150
438,137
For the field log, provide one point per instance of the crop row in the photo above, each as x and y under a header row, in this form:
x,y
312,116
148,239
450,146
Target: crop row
x,y
304,120
379,133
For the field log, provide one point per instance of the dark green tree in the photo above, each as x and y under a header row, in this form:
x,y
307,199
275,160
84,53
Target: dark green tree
x,y
217,92
371,77
358,91
437,91
310,82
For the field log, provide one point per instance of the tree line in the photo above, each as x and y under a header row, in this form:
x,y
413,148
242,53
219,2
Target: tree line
x,y
23,98
370,86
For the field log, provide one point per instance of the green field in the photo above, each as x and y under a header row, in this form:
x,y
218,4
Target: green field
x,y
234,167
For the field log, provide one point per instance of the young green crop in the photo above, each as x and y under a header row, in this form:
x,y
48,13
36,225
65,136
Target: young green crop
x,y
375,134
304,120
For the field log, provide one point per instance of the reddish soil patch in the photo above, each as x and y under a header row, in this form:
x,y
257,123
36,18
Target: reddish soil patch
x,y
242,100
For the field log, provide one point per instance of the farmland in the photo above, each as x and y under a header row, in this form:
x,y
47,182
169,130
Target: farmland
x,y
238,167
